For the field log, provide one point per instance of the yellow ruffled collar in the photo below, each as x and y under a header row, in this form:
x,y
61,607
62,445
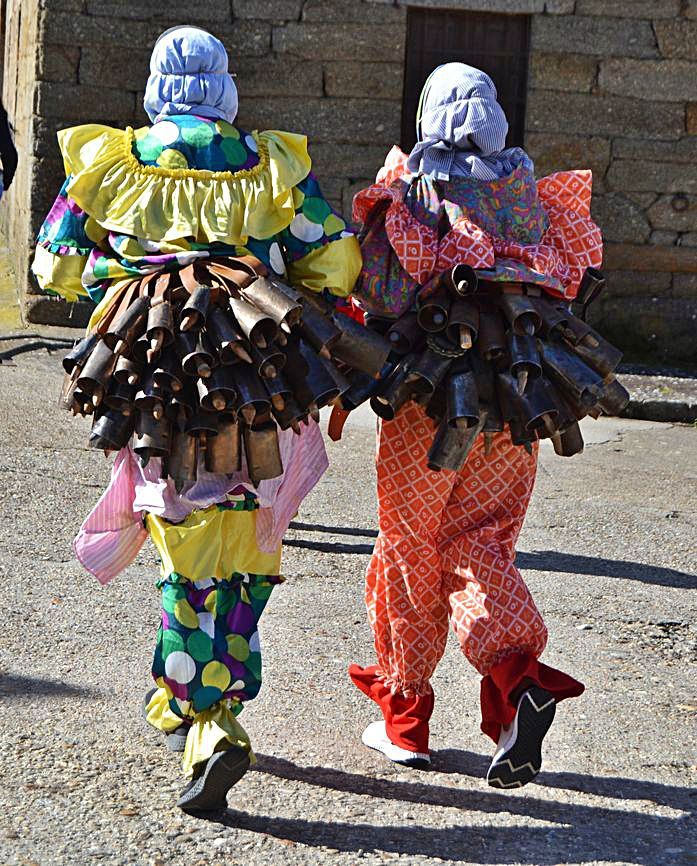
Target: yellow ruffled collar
x,y
162,204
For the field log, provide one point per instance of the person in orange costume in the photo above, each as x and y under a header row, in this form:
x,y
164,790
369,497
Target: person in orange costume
x,y
446,546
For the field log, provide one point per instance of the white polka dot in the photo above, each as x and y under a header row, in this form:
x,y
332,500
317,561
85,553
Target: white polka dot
x,y
206,623
180,667
187,258
276,259
203,584
237,686
165,131
302,228
254,645
346,234
251,144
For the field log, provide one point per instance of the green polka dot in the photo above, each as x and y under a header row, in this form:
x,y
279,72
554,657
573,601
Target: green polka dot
x,y
206,697
238,647
170,597
253,665
226,130
200,646
261,590
227,599
170,158
185,614
316,209
234,151
333,225
198,136
149,148
172,642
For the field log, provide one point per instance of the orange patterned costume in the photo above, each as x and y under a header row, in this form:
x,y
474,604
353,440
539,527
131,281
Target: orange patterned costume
x,y
446,551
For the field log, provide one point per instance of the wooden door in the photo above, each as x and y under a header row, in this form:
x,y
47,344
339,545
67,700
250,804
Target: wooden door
x,y
497,44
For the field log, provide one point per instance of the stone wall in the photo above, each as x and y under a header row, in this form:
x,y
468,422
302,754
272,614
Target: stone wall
x,y
613,87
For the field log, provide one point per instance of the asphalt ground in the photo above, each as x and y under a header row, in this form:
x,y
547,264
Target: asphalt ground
x,y
608,550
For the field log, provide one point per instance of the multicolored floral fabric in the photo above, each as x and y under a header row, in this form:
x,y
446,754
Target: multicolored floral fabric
x,y
513,227
175,146
208,645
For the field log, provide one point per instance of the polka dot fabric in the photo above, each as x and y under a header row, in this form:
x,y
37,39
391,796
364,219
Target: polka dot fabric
x,y
191,142
208,645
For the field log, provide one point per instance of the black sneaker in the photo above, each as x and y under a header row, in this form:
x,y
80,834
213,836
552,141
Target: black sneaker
x,y
207,791
519,756
174,740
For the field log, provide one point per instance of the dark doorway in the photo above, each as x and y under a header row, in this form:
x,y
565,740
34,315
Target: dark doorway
x,y
498,44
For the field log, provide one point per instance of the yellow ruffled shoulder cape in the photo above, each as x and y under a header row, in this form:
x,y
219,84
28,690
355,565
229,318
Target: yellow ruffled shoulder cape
x,y
162,204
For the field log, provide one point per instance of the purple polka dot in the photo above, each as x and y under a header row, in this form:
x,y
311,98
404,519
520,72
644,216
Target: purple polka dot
x,y
165,620
237,670
241,619
179,690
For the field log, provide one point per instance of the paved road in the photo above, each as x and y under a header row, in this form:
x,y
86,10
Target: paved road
x,y
608,550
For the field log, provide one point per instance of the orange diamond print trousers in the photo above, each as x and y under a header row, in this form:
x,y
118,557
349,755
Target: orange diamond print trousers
x,y
445,552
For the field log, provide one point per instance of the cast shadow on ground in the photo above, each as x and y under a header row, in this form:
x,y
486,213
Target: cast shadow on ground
x,y
13,686
539,560
581,833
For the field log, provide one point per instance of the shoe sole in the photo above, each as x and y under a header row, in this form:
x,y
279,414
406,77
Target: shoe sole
x,y
208,793
415,763
522,761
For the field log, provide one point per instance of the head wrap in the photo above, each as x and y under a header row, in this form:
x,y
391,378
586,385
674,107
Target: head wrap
x,y
460,127
189,75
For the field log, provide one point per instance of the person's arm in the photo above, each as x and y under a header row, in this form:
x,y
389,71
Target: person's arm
x,y
321,251
63,247
8,151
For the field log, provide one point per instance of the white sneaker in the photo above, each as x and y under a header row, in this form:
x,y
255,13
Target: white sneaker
x,y
375,737
518,758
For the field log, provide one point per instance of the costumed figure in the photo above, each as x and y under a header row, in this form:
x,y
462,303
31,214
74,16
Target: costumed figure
x,y
213,258
470,266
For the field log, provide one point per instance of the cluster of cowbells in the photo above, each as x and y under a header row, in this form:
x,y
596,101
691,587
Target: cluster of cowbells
x,y
485,356
209,362
212,360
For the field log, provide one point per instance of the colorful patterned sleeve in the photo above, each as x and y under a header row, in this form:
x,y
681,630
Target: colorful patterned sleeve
x,y
320,250
66,239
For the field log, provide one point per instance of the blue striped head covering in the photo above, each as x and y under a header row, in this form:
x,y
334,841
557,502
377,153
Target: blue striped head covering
x,y
189,75
460,127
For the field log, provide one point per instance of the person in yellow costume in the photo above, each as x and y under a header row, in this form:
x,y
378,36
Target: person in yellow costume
x,y
194,185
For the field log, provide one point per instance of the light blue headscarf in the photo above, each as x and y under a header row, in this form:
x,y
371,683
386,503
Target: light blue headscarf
x,y
189,75
460,127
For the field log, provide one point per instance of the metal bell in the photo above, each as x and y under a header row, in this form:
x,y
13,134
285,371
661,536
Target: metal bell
x,y
274,300
554,316
229,341
269,361
127,371
153,437
433,312
318,330
320,386
539,409
463,323
128,326
194,353
361,388
568,442
252,398
223,452
429,370
525,359
120,397
395,391
168,375
451,446
360,348
218,392
94,376
406,334
463,279
195,310
160,329
570,374
182,461
461,395
598,353
111,430
262,452
78,355
491,339
614,397
521,314
259,328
